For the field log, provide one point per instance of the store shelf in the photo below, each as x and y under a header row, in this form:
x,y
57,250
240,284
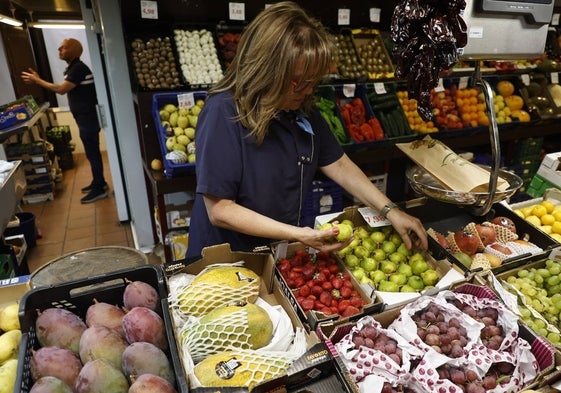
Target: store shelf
x,y
12,190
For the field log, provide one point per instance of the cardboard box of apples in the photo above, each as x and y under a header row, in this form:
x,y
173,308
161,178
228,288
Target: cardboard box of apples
x,y
379,260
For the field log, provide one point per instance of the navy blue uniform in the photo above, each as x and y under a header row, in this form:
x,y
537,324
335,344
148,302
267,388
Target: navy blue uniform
x,y
83,100
272,178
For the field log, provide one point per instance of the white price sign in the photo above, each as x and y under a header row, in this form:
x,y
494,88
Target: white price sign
x,y
375,15
373,217
148,9
186,100
344,17
349,90
237,11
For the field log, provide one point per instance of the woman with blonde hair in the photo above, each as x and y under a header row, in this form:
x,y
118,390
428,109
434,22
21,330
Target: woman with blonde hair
x,y
260,141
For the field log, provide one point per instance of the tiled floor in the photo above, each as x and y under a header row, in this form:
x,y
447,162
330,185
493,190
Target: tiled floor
x,y
66,225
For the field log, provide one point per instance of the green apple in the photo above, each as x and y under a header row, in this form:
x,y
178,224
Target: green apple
x,y
402,249
345,232
416,256
369,244
397,257
366,280
430,277
387,230
377,276
398,278
348,222
361,252
352,261
416,282
378,236
358,272
419,266
464,258
388,286
354,243
388,246
388,267
361,232
396,239
369,264
344,251
379,254
325,226
407,288
170,142
404,268
164,115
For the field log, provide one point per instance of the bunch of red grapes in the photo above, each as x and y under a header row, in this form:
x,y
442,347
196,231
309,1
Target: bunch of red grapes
x,y
492,335
388,388
445,337
469,381
368,336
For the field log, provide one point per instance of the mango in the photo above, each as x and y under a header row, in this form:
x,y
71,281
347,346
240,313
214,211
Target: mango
x,y
145,358
218,286
241,368
247,326
59,327
8,373
138,293
9,317
148,383
50,385
105,314
57,362
102,342
143,324
99,376
9,345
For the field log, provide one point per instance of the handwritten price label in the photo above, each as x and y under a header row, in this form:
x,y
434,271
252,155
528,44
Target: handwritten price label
x,y
185,100
344,16
373,217
237,11
148,9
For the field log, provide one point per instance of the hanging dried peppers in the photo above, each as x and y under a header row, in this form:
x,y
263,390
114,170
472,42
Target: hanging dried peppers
x,y
427,35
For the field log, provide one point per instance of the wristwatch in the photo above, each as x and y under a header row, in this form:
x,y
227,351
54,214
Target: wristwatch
x,y
386,209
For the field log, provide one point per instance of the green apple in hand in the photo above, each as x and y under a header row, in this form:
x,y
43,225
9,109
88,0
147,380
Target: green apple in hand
x,y
345,232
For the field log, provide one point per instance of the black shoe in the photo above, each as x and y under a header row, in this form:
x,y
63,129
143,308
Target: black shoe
x,y
93,196
87,189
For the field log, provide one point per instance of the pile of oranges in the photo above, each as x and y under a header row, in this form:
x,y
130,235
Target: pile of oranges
x,y
472,107
415,121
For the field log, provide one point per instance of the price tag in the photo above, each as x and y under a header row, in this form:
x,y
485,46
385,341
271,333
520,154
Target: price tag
x,y
555,20
373,217
237,11
554,78
525,79
148,9
343,16
185,100
375,15
440,86
380,88
349,90
463,82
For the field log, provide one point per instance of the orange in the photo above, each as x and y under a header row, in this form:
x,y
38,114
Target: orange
x,y
521,115
505,88
514,102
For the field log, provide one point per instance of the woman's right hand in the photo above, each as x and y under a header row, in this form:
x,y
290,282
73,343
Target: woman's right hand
x,y
322,240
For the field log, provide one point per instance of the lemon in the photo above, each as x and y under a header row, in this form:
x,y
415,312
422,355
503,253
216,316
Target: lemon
x,y
546,229
556,227
539,210
547,219
548,205
556,236
534,220
557,215
518,212
527,211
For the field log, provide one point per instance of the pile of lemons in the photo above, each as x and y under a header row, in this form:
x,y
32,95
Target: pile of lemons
x,y
544,215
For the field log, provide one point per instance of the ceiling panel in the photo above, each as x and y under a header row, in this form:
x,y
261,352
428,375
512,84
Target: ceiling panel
x,y
44,9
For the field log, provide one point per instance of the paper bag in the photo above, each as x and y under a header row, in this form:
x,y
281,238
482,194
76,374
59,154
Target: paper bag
x,y
448,168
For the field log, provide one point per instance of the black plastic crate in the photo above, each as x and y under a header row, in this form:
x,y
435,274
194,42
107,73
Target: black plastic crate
x,y
324,197
77,296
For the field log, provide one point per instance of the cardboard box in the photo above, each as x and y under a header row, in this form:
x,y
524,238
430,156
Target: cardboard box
x,y
312,318
448,272
315,364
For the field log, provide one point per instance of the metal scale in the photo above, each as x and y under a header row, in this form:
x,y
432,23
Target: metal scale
x,y
497,30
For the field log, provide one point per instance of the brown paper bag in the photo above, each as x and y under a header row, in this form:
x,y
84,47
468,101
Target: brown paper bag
x,y
448,168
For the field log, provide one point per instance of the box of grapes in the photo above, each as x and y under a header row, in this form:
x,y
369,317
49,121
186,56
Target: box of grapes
x,y
378,258
464,338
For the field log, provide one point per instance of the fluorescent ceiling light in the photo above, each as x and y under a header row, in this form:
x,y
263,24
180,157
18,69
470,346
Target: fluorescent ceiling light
x,y
10,21
57,25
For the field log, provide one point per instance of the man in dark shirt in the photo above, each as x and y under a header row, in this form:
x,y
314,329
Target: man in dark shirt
x,y
79,85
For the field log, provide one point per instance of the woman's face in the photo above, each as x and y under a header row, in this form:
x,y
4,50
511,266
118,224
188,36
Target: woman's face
x,y
300,88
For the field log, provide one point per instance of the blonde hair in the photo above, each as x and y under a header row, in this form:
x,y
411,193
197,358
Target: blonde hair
x,y
270,48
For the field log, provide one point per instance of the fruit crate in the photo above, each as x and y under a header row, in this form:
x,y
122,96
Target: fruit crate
x,y
372,52
444,218
325,196
227,38
159,100
349,66
77,296
330,111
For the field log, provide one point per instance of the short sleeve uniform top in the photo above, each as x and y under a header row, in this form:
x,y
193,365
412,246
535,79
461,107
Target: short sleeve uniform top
x,y
271,178
82,98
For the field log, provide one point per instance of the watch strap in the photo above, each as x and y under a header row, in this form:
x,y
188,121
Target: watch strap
x,y
386,209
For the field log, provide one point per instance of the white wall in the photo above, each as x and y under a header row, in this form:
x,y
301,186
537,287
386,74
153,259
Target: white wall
x,y
7,93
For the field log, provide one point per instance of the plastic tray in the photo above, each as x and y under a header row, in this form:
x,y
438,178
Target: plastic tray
x,y
77,296
158,101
